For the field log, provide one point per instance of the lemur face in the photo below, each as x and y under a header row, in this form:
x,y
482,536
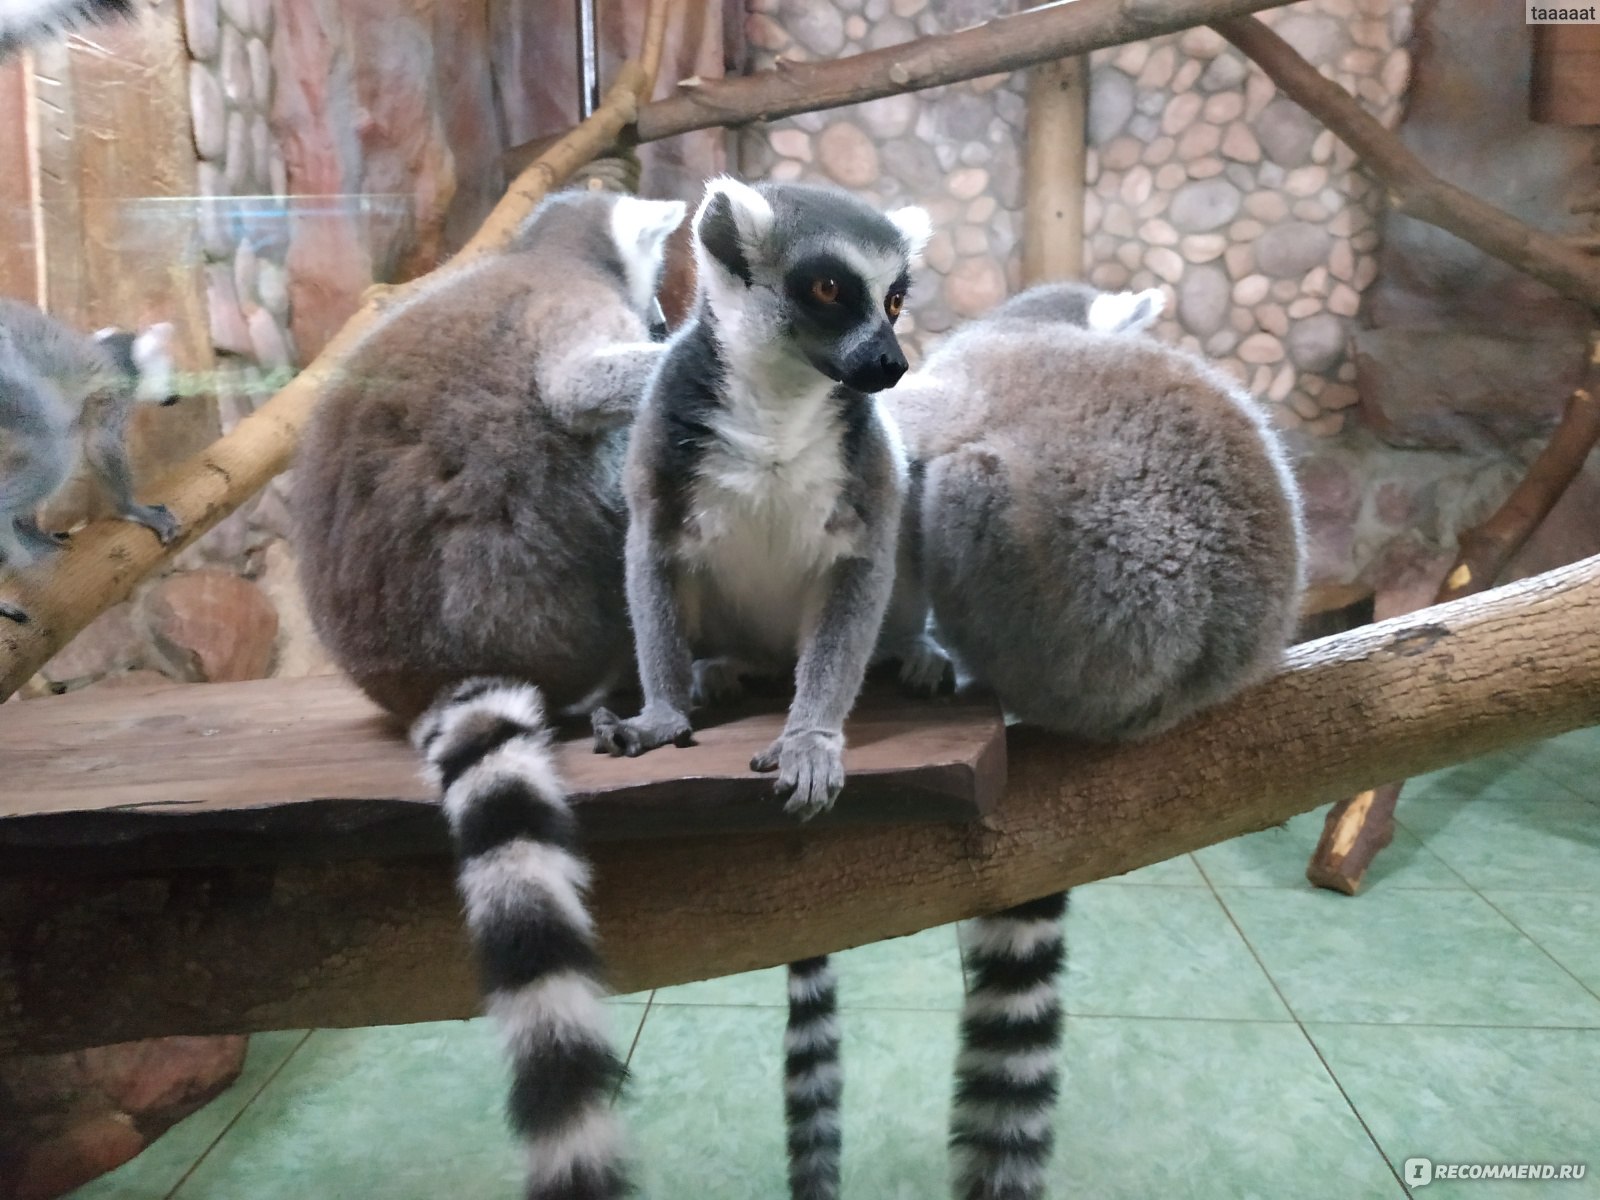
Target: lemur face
x,y
810,271
146,360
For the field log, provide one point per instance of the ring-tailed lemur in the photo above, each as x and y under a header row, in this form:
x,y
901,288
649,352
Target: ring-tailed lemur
x,y
764,494
25,23
1109,536
458,495
66,398
460,515
764,485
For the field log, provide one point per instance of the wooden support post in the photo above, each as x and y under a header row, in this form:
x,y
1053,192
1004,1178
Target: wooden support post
x,y
1052,233
1359,826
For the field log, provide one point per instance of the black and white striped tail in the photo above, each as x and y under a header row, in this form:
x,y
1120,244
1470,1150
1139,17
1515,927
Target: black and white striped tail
x,y
1006,1075
25,23
523,879
812,1082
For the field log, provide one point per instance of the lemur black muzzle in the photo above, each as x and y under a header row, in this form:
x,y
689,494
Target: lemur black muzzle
x,y
876,364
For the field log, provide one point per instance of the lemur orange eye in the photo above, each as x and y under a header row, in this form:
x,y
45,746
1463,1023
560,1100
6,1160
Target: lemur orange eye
x,y
892,304
825,290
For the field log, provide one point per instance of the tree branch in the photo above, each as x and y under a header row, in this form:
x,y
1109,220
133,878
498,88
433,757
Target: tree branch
x,y
90,959
1026,39
1412,188
105,561
1359,826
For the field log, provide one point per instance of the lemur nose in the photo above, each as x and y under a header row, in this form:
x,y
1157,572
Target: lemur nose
x,y
891,369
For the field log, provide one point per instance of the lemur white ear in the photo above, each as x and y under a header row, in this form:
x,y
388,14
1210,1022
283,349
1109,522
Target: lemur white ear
x,y
151,345
731,223
1126,312
916,227
643,226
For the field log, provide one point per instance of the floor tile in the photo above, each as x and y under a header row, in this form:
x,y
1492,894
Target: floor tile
x,y
1397,956
1474,1095
1572,760
704,1103
155,1172
1179,871
1206,1110
1565,924
1519,831
1277,857
922,971
1161,952
409,1112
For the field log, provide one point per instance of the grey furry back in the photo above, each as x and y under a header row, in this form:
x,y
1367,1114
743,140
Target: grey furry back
x,y
1111,535
448,524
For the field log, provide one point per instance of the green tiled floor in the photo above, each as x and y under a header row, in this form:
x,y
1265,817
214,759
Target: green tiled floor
x,y
1232,1034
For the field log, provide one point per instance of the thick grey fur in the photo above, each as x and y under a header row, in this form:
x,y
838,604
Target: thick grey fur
x,y
1110,536
67,396
764,490
458,495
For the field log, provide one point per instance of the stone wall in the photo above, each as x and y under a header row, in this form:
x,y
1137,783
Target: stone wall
x,y
1205,181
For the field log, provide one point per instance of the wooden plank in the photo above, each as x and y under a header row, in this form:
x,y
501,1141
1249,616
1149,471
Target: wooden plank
x,y
19,274
239,772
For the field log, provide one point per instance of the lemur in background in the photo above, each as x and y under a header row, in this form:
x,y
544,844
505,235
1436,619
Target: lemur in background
x,y
458,496
1110,538
25,23
65,398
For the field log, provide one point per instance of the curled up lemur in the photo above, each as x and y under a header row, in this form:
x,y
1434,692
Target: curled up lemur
x,y
457,497
460,516
1108,535
66,398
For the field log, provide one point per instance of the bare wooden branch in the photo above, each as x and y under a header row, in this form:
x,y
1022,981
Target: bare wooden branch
x,y
107,559
1026,39
88,959
1412,188
1359,826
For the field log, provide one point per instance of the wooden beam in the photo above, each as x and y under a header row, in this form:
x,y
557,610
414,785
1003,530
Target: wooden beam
x,y
1040,35
1359,826
240,774
107,958
1411,188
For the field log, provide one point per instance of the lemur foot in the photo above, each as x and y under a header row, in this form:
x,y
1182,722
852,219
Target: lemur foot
x,y
158,519
632,737
12,613
716,681
810,766
926,670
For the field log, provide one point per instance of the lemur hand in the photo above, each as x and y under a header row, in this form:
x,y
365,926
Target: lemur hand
x,y
810,766
615,736
158,518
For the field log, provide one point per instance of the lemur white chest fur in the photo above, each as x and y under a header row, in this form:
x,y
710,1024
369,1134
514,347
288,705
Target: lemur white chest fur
x,y
763,511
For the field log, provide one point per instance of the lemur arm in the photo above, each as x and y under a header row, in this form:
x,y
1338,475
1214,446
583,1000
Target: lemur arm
x,y
105,449
809,754
925,669
598,389
661,643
